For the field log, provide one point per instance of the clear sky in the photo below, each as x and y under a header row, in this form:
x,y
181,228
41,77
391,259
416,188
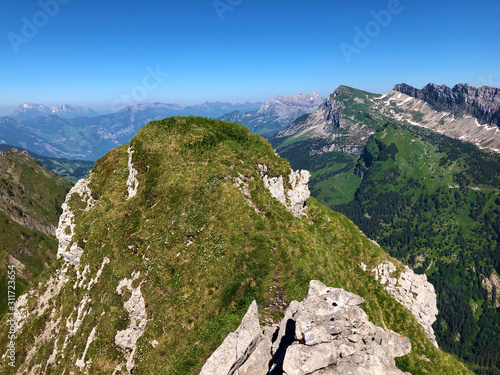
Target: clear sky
x,y
108,53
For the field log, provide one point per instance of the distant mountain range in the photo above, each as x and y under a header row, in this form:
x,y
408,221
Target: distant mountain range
x,y
276,114
462,112
28,111
64,131
217,109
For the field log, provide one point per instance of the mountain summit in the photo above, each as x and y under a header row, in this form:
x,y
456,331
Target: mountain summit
x,y
277,113
288,108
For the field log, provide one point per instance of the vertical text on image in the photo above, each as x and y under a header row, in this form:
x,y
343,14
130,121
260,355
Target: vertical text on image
x,y
11,293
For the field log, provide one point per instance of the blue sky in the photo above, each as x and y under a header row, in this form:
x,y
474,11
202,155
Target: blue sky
x,y
102,53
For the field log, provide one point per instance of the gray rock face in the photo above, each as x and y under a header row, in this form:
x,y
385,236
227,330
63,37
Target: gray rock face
x,y
482,103
126,340
258,362
132,182
327,333
413,291
299,193
237,346
276,114
294,198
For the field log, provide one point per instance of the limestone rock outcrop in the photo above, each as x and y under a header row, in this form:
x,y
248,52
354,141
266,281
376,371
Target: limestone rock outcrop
x,y
413,291
294,198
327,333
126,340
132,181
237,346
66,228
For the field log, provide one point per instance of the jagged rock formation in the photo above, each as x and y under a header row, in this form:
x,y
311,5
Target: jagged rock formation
x,y
66,227
464,112
294,198
291,107
327,117
482,103
413,291
327,333
237,346
334,126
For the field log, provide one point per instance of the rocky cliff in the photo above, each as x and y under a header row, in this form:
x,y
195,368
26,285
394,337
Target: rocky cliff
x,y
287,108
326,333
483,103
463,113
413,291
336,125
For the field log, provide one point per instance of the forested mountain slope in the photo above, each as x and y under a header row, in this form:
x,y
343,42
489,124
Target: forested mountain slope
x,y
430,200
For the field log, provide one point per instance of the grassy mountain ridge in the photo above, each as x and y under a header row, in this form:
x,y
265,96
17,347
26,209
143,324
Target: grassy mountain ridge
x,y
30,200
200,254
71,170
